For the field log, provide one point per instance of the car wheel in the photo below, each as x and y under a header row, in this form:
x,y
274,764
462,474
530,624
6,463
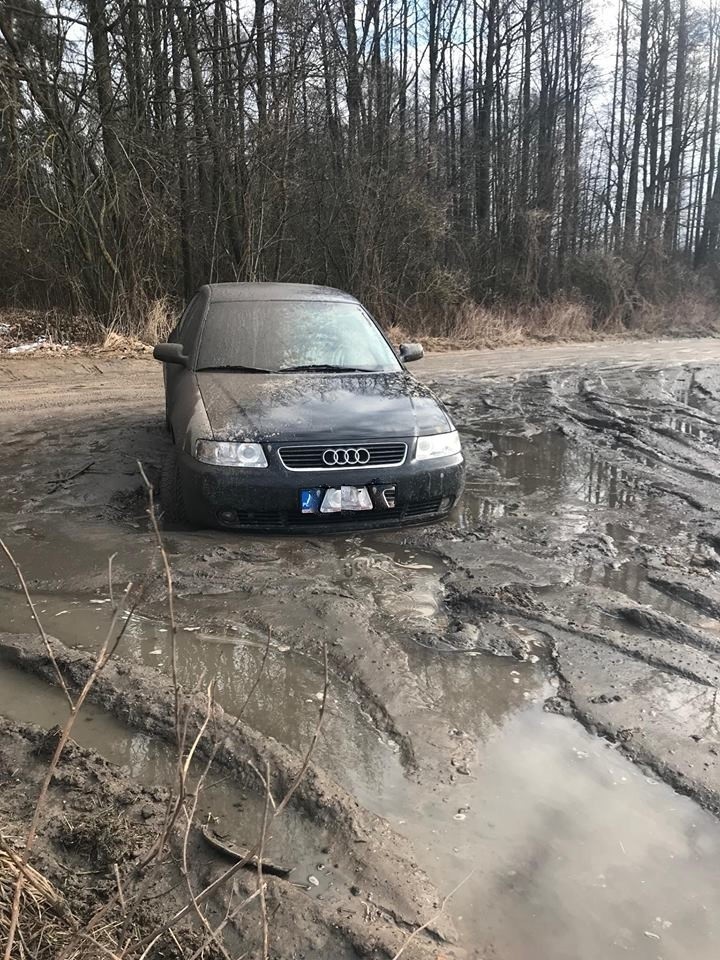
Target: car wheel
x,y
171,498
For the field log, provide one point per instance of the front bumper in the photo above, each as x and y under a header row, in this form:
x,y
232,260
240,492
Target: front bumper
x,y
268,498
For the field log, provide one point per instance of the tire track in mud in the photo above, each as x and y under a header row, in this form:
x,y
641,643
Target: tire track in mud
x,y
196,575
592,693
644,440
661,430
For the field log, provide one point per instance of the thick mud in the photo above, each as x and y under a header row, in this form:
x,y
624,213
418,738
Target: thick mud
x,y
525,694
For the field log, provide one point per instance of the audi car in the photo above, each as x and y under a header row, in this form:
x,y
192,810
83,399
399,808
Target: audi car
x,y
288,408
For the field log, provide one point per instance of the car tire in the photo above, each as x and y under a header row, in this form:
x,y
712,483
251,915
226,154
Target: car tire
x,y
171,498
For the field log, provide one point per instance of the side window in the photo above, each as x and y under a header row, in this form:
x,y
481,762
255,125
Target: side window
x,y
191,321
177,333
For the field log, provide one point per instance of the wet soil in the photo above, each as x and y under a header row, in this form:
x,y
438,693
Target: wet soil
x,y
526,695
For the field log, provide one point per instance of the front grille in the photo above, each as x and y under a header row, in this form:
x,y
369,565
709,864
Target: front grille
x,y
423,508
274,519
257,518
315,456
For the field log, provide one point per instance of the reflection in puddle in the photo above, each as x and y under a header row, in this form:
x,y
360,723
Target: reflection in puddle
x,y
585,855
692,428
573,851
234,812
284,704
545,466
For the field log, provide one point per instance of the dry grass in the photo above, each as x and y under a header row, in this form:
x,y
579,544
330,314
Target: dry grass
x,y
54,331
691,315
466,325
472,326
47,923
119,344
157,320
154,322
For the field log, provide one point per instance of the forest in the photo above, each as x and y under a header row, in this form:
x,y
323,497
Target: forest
x,y
441,159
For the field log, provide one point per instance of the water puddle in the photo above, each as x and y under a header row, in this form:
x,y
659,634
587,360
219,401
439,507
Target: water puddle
x,y
284,704
544,471
233,812
570,850
692,429
577,854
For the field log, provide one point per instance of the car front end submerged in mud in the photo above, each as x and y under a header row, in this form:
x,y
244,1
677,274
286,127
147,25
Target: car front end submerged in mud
x,y
393,488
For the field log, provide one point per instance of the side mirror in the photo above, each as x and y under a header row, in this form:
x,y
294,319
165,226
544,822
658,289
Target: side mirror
x,y
411,351
170,353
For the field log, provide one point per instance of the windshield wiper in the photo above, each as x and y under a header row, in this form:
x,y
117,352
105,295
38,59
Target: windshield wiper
x,y
235,368
322,368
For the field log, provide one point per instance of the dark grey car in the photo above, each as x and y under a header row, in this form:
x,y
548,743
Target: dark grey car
x,y
289,409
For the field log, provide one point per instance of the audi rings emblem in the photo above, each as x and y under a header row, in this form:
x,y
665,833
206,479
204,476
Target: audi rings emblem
x,y
346,457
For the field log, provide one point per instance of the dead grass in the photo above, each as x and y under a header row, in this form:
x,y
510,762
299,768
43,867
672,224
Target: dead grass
x,y
101,838
472,326
47,923
154,322
690,316
32,331
119,344
159,318
453,327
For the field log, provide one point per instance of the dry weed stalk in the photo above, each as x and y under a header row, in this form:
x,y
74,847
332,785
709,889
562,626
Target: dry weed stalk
x,y
49,919
108,648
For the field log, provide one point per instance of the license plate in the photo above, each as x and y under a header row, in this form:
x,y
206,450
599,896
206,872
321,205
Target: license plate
x,y
335,499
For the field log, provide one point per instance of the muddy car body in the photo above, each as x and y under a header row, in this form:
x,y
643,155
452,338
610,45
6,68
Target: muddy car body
x,y
288,408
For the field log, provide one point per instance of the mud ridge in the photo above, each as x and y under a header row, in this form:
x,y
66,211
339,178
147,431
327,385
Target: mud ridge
x,y
564,702
667,627
654,652
689,593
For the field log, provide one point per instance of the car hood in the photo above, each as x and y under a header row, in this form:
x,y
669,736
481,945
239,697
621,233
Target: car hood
x,y
313,406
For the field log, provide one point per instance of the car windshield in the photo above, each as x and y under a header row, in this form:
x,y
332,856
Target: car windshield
x,y
283,335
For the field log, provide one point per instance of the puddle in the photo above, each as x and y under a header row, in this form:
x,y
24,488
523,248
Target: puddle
x,y
550,464
284,704
690,428
546,471
577,854
631,579
234,813
573,851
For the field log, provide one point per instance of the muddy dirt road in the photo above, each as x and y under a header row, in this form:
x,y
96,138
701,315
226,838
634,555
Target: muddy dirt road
x,y
525,695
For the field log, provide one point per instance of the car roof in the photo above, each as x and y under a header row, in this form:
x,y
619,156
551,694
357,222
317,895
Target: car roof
x,y
231,292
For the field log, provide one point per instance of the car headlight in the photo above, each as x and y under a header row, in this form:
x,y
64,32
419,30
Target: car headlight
x,y
225,454
438,445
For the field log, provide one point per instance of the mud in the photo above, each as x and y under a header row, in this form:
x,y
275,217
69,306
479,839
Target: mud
x,y
524,695
100,825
